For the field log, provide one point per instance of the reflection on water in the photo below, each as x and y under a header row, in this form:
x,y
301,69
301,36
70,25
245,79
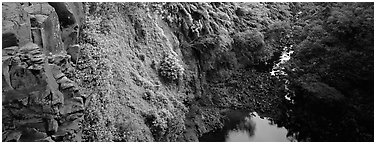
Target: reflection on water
x,y
254,128
247,128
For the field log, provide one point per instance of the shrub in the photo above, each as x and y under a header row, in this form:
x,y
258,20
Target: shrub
x,y
250,47
170,68
249,41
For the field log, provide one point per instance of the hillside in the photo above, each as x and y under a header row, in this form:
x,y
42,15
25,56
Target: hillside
x,y
173,71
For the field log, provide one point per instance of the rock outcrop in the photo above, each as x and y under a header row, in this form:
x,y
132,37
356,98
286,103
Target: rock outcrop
x,y
39,102
16,21
45,27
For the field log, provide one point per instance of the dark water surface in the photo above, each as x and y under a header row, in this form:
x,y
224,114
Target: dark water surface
x,y
247,127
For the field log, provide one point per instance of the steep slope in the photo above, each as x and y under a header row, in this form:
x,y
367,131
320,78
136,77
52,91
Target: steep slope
x,y
133,54
172,71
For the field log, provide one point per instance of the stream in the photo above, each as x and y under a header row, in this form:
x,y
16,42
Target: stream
x,y
246,126
278,69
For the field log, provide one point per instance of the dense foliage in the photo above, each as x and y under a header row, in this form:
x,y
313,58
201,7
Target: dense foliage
x,y
227,50
170,68
334,45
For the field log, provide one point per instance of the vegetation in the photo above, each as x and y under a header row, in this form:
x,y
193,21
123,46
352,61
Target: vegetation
x,y
227,50
124,93
249,46
334,45
170,68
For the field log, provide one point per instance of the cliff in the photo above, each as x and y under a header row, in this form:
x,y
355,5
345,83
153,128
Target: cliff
x,y
40,102
161,71
151,71
165,71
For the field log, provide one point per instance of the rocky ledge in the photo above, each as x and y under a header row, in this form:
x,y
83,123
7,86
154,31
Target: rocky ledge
x,y
40,103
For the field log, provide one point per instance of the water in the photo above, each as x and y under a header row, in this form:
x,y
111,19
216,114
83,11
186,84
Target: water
x,y
285,56
278,69
248,127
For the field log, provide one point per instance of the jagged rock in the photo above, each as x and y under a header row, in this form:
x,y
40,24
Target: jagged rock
x,y
39,9
66,16
60,59
10,51
12,136
59,75
72,105
33,100
35,95
71,16
65,86
16,25
32,55
77,9
46,27
52,126
74,51
37,20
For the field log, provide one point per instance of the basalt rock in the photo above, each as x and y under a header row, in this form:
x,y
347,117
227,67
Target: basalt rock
x,y
39,102
71,17
16,25
74,51
45,27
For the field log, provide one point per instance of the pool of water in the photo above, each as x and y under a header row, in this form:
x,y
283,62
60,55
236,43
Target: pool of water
x,y
247,127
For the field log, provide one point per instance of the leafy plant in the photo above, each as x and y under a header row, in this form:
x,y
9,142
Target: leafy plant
x,y
170,68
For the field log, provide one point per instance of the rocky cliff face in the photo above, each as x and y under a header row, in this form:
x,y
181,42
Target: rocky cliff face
x,y
135,71
40,103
